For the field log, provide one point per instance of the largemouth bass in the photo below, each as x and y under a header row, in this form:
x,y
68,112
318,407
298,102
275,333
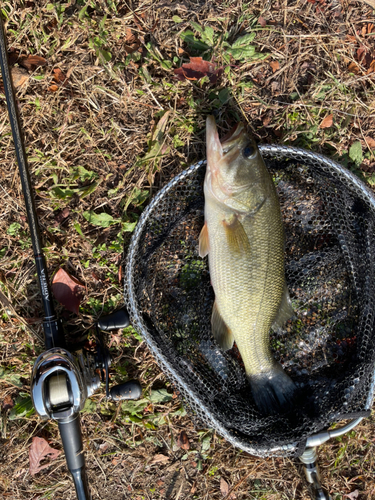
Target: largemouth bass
x,y
243,236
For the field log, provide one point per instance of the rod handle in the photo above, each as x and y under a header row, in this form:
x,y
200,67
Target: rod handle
x,y
71,437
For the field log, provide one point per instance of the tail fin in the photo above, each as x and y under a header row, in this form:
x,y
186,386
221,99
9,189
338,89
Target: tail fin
x,y
273,391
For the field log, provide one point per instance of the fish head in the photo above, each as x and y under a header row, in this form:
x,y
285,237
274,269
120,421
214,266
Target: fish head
x,y
234,165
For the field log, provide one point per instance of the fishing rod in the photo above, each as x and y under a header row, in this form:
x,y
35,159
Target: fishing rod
x,y
61,380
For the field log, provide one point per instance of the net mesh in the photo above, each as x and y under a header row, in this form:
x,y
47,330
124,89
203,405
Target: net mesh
x,y
326,348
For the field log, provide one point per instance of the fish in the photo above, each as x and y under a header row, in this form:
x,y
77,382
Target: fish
x,y
243,236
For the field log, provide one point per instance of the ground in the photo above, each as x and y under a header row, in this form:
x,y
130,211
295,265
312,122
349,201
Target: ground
x,y
107,123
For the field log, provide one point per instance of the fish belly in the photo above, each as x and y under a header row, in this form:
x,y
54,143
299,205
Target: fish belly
x,y
249,285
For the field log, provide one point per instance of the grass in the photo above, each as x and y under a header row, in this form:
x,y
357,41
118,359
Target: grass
x,y
100,143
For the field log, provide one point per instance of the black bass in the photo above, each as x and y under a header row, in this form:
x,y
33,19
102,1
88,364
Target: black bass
x,y
243,236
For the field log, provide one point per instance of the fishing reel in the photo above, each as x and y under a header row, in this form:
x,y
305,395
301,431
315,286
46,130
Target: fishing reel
x,y
62,381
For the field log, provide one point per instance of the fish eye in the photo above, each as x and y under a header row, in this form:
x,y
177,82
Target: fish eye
x,y
249,150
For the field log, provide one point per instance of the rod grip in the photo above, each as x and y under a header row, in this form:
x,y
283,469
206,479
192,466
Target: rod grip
x,y
72,442
71,437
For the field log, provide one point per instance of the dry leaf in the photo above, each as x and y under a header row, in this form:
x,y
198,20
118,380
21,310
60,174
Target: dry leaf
x,y
62,215
132,42
371,68
183,441
353,68
8,403
266,120
39,450
353,495
58,75
327,122
159,458
352,38
275,65
19,76
115,339
32,62
262,22
198,68
224,487
371,142
59,78
67,290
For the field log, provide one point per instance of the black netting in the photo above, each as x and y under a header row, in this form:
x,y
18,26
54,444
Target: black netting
x,y
327,348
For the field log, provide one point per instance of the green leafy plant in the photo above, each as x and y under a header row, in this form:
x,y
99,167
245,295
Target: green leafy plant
x,y
102,220
355,152
209,44
23,407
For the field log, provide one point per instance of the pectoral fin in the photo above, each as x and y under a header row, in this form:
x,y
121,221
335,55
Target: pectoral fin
x,y
204,244
220,331
236,236
285,310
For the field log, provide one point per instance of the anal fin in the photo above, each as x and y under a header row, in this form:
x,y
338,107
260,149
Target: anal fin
x,y
220,331
285,311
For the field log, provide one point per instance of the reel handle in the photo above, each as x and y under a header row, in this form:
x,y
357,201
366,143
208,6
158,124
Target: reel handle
x,y
114,321
129,390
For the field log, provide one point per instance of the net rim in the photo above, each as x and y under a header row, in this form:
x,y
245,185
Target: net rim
x,y
267,151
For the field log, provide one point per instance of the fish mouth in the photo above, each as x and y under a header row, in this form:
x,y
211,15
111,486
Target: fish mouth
x,y
234,136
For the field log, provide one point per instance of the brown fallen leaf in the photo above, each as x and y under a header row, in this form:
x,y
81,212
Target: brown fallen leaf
x,y
104,447
159,458
19,76
67,290
262,22
183,441
39,450
197,68
132,42
58,75
59,78
353,68
31,62
353,495
224,487
371,68
327,122
115,339
266,120
275,65
61,215
371,142
8,403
